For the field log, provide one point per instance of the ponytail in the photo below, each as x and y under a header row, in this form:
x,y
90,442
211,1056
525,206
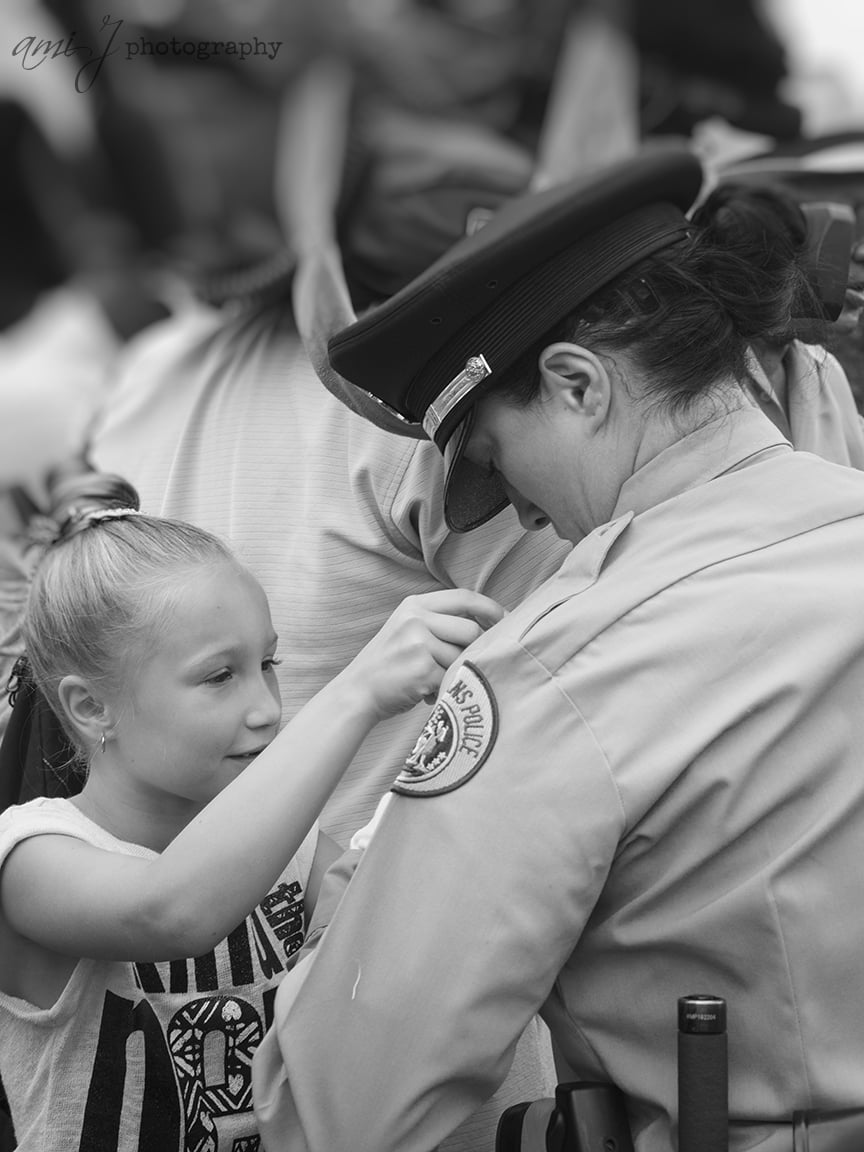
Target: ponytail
x,y
38,755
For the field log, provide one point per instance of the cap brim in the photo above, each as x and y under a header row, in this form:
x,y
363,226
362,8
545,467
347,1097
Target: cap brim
x,y
472,495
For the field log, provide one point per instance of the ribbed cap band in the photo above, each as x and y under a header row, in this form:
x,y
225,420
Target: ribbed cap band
x,y
536,302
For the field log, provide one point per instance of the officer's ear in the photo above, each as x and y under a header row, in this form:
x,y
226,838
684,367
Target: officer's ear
x,y
577,380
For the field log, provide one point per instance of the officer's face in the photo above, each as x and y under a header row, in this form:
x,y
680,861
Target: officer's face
x,y
533,455
564,457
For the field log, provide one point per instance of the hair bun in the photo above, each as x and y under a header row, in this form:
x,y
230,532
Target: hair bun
x,y
84,499
96,489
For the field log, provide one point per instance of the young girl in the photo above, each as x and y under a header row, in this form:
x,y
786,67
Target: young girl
x,y
194,835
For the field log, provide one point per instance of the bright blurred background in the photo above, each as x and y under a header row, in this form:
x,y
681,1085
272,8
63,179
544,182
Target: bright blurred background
x,y
159,181
825,44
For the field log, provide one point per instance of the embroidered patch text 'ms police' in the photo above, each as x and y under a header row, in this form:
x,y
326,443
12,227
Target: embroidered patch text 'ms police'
x,y
456,739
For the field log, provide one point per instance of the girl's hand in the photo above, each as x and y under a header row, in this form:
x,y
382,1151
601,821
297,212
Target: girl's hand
x,y
406,661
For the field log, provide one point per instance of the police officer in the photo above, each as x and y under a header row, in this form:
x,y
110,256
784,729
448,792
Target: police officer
x,y
646,780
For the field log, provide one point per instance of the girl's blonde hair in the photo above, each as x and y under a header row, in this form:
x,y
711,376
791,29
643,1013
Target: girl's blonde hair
x,y
102,590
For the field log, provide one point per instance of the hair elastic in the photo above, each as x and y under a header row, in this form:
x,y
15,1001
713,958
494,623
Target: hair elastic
x,y
80,518
97,514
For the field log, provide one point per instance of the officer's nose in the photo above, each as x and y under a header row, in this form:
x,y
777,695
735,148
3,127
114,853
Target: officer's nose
x,y
530,516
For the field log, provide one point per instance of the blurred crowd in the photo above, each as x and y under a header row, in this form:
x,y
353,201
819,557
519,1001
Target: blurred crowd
x,y
156,162
147,165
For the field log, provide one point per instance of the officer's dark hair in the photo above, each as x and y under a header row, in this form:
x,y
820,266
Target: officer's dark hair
x,y
688,312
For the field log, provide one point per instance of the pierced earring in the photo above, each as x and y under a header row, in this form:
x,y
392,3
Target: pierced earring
x,y
102,743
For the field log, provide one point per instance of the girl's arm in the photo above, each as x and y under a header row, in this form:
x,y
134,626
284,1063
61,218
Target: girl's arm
x,y
72,898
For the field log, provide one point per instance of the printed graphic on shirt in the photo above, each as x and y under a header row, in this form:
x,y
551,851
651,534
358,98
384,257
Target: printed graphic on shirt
x,y
238,1028
184,1069
455,740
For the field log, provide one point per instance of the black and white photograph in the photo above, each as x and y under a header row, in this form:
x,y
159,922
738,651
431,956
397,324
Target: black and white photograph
x,y
431,568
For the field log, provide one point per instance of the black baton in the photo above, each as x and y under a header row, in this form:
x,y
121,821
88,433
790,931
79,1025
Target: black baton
x,y
703,1075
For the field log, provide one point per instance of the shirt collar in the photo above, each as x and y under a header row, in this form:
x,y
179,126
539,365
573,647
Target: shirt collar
x,y
722,445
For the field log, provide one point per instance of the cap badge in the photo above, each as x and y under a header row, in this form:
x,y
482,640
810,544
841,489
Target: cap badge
x,y
476,369
456,739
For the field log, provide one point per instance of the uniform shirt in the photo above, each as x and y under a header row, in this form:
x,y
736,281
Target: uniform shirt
x,y
644,783
222,421
140,1057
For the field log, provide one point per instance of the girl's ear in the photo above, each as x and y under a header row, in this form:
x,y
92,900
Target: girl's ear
x,y
85,710
578,378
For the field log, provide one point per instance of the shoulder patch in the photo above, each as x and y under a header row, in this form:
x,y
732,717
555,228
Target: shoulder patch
x,y
456,739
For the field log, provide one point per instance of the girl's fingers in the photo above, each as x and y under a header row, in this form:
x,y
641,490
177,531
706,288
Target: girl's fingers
x,y
454,630
457,602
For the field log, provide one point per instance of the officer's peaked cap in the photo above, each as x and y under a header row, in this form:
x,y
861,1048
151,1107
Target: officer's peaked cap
x,y
431,349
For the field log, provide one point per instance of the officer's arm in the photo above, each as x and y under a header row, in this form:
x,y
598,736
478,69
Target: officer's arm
x,y
451,934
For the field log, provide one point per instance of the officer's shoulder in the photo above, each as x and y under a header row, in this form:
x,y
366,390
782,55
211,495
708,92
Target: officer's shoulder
x,y
552,616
